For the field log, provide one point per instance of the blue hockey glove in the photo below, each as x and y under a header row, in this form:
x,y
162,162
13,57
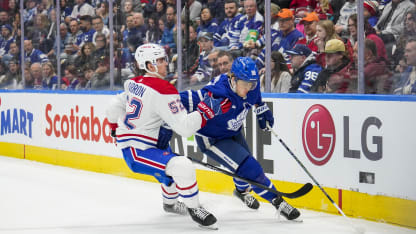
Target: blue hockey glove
x,y
264,115
211,107
165,133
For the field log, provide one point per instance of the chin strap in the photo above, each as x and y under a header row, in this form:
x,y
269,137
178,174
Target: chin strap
x,y
232,84
155,72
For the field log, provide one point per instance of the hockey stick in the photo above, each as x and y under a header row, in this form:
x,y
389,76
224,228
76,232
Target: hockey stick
x,y
298,193
358,229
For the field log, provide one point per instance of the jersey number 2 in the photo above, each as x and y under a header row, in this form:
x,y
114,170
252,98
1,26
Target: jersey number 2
x,y
137,105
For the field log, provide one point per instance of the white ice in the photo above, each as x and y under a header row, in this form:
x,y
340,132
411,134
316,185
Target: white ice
x,y
42,198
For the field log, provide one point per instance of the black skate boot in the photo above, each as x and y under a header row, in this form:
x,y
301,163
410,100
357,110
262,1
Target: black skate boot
x,y
288,211
247,198
203,217
176,208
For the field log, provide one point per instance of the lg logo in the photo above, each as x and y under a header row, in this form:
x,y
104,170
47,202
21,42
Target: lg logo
x,y
318,135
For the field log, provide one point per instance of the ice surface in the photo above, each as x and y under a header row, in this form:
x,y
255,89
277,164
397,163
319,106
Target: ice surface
x,y
45,199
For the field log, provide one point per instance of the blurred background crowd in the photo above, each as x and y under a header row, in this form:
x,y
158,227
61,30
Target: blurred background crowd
x,y
313,43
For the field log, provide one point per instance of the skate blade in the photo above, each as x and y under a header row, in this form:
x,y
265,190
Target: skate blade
x,y
210,227
290,221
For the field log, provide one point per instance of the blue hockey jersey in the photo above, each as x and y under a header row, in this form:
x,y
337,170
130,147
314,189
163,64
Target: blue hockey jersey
x,y
230,123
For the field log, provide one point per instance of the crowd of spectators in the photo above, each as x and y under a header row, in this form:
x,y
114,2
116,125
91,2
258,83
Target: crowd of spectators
x,y
313,43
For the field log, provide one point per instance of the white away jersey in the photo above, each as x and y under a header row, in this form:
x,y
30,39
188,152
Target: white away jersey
x,y
145,105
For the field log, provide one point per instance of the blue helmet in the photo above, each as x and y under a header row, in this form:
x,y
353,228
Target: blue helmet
x,y
244,68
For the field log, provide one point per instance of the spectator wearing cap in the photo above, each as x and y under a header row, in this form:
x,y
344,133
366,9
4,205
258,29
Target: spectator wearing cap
x,y
283,39
6,39
12,77
309,22
371,11
207,23
338,76
222,36
87,31
82,8
204,71
251,20
305,69
407,83
33,55
370,33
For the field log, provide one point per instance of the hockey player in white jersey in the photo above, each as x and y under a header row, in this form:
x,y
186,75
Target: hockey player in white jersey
x,y
137,118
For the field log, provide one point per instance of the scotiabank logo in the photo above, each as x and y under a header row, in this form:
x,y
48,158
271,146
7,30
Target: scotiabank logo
x,y
76,126
318,135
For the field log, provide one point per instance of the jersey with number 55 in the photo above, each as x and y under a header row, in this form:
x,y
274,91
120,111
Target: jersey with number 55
x,y
146,104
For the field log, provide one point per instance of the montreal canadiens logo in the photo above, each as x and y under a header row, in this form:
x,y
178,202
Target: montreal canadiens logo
x,y
318,134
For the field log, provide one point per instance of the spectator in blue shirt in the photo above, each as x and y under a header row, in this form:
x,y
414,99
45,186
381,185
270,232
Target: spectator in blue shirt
x,y
33,55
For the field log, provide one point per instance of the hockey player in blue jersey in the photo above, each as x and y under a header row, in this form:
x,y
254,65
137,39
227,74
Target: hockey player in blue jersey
x,y
137,117
222,140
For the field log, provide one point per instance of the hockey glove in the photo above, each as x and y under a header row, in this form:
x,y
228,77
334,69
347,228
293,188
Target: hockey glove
x,y
211,107
165,133
113,127
264,115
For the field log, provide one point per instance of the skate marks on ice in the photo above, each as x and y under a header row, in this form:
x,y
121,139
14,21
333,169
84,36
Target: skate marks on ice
x,y
46,199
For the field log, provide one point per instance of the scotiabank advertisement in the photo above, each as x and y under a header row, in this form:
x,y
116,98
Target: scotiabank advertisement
x,y
357,144
67,122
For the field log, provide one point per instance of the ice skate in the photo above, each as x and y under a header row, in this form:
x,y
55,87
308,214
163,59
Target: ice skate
x,y
285,209
203,217
176,208
247,198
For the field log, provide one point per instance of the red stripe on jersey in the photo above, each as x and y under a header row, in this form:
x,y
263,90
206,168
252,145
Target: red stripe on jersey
x,y
164,191
161,86
137,135
146,161
186,188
